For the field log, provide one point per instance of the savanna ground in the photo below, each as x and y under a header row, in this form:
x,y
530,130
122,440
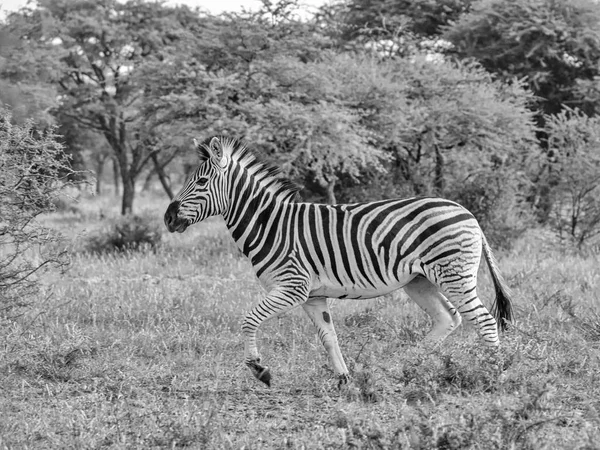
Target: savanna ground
x,y
144,350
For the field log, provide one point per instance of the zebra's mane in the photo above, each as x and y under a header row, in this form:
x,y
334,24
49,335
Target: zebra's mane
x,y
268,176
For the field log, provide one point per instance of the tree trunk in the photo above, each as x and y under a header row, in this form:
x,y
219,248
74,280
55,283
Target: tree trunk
x,y
129,160
127,178
331,192
116,175
101,161
162,176
148,181
128,195
438,180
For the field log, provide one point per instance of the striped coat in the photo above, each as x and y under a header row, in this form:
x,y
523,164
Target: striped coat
x,y
304,253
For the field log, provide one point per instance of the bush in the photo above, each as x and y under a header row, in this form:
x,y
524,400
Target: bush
x,y
126,233
499,207
33,170
573,175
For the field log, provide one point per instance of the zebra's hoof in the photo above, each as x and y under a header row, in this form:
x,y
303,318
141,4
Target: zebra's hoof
x,y
260,372
343,380
265,376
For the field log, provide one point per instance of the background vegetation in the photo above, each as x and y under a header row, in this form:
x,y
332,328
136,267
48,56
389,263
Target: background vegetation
x,y
492,103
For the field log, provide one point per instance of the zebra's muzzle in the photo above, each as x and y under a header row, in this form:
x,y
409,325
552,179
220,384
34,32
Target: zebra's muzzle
x,y
172,221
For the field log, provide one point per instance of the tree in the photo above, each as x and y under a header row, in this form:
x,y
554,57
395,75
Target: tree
x,y
552,44
573,175
395,27
256,76
330,118
29,97
447,129
92,52
33,169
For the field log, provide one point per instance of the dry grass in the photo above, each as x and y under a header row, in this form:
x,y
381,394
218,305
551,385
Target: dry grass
x,y
143,350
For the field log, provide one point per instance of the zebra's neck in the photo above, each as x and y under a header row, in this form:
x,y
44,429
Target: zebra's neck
x,y
254,211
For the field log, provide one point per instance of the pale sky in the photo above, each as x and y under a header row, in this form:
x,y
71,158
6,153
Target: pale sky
x,y
213,6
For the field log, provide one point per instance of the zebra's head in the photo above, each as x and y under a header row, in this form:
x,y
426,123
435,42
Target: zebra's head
x,y
204,193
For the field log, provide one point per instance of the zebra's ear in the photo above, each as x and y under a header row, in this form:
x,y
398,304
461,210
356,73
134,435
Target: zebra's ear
x,y
202,151
215,148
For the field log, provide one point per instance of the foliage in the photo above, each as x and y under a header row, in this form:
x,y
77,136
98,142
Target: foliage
x,y
33,170
452,121
125,234
589,92
449,130
573,174
331,119
27,94
92,52
259,76
498,202
393,27
552,44
315,128
347,123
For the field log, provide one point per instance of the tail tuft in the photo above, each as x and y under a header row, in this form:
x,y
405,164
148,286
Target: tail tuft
x,y
502,309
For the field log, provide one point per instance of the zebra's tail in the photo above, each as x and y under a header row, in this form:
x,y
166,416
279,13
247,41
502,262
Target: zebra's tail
x,y
502,308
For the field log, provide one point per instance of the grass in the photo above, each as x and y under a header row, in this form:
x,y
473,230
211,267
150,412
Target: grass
x,y
143,350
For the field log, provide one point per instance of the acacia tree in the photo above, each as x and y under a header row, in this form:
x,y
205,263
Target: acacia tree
x,y
256,75
446,129
92,52
33,169
553,44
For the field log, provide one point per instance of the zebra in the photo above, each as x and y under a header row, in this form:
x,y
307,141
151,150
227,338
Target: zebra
x,y
305,253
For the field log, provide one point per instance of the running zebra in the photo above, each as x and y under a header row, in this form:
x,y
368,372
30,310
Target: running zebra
x,y
304,253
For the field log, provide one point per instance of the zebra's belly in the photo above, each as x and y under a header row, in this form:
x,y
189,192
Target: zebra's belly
x,y
335,290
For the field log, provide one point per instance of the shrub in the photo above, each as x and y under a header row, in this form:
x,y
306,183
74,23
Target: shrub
x,y
33,170
498,204
573,175
126,233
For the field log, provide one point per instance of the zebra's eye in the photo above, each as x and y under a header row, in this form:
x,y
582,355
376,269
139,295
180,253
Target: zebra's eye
x,y
202,181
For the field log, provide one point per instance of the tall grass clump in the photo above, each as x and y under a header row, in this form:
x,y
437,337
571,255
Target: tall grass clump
x,y
126,233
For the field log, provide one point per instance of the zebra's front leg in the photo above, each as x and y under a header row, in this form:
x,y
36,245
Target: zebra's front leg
x,y
277,302
318,310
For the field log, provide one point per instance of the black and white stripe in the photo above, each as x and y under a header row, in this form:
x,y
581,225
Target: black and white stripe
x,y
303,253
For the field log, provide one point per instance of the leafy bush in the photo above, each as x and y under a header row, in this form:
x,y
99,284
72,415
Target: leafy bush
x,y
33,170
573,175
126,233
499,207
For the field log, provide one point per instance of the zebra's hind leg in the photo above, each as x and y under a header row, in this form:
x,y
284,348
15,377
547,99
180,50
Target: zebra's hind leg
x,y
277,302
318,310
445,317
469,305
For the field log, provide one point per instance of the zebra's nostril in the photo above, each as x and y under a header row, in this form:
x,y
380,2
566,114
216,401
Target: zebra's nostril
x,y
171,213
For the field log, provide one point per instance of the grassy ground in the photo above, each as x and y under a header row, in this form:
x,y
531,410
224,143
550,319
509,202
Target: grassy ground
x,y
143,350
